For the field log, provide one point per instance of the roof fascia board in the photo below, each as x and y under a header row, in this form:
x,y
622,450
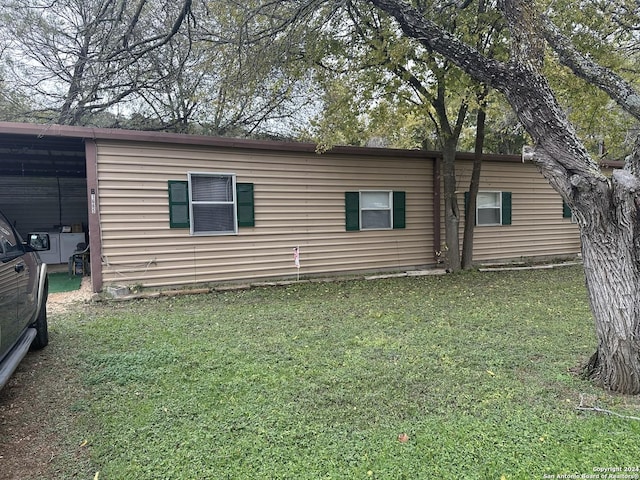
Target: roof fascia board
x,y
97,134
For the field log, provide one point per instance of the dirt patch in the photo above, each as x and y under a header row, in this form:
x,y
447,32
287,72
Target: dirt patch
x,y
37,439
60,302
26,448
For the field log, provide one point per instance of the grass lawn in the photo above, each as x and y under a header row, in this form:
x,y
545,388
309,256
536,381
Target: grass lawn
x,y
318,381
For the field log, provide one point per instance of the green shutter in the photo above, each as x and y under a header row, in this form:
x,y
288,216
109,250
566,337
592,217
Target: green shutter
x,y
566,210
506,208
399,201
178,204
352,210
244,196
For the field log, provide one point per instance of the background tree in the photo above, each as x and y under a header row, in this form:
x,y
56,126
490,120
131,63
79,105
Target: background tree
x,y
256,85
13,106
183,66
171,100
81,57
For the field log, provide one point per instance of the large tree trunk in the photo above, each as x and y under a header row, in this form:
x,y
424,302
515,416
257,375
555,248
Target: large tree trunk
x,y
610,247
607,213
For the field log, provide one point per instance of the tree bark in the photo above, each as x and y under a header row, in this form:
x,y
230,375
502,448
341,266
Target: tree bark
x,y
607,210
451,208
474,187
448,136
610,246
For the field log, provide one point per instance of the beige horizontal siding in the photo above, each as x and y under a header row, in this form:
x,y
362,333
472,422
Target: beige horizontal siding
x,y
299,201
537,229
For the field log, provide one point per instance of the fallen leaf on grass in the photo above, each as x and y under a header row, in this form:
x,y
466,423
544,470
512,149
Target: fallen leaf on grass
x,y
403,438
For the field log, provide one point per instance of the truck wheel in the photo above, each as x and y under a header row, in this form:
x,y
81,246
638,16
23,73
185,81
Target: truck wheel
x,y
41,339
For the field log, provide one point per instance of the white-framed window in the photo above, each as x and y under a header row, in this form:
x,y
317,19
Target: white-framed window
x,y
489,208
212,203
492,208
213,199
376,210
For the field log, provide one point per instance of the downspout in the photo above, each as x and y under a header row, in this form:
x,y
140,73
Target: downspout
x,y
95,236
437,199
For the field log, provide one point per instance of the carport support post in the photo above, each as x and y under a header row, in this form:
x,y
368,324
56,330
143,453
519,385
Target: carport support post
x,y
95,244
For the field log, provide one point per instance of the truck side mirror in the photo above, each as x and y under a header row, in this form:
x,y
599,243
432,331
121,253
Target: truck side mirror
x,y
39,241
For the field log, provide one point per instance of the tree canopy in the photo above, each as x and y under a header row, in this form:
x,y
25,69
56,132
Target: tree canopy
x,y
335,72
185,66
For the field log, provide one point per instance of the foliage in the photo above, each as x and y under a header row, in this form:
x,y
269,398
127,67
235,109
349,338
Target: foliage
x,y
323,380
229,69
607,132
13,105
504,134
81,57
376,80
366,81
603,30
250,84
195,67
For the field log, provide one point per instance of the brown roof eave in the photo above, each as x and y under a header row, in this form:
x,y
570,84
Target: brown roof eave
x,y
92,133
69,131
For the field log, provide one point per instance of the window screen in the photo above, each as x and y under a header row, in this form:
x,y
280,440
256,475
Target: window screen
x,y
375,210
489,208
212,203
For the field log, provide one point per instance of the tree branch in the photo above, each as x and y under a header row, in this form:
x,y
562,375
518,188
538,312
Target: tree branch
x,y
431,35
144,46
583,408
616,87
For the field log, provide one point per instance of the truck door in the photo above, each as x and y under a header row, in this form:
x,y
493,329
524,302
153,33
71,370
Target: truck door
x,y
10,268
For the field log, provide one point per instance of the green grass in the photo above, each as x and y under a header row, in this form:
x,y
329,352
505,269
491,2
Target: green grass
x,y
63,282
318,380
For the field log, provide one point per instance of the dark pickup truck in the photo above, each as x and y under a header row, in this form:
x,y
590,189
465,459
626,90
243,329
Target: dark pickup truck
x,y
23,297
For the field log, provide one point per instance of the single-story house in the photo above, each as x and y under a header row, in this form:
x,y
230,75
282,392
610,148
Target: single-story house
x,y
164,210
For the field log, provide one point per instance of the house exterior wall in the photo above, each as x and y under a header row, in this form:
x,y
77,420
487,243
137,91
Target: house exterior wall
x,y
299,200
537,229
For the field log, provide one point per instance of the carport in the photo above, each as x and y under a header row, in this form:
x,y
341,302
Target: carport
x,y
43,184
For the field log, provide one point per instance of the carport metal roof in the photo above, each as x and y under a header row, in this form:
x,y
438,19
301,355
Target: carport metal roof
x,y
42,156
